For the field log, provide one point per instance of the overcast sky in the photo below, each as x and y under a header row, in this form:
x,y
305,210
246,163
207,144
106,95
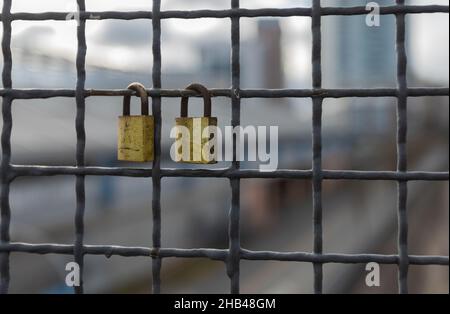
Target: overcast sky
x,y
430,40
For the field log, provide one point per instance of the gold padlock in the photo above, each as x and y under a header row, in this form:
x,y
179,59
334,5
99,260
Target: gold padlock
x,y
198,139
136,133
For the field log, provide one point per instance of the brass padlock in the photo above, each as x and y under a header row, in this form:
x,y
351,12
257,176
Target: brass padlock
x,y
196,126
136,133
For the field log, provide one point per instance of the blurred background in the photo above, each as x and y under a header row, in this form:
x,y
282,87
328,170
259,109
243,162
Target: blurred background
x,y
358,134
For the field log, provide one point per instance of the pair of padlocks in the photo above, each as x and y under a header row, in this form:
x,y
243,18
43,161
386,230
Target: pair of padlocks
x,y
136,132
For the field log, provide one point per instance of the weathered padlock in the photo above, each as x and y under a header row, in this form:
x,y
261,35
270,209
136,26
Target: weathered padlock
x,y
198,139
136,133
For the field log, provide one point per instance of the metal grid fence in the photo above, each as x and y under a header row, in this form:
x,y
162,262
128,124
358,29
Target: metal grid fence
x,y
232,256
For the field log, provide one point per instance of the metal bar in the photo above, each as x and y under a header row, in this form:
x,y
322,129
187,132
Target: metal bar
x,y
5,213
44,171
233,264
156,174
81,145
239,13
221,255
402,165
244,93
341,258
115,250
317,142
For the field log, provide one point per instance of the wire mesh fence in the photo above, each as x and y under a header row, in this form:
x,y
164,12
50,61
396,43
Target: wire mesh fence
x,y
231,256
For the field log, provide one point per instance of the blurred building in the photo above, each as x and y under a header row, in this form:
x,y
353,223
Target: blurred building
x,y
358,56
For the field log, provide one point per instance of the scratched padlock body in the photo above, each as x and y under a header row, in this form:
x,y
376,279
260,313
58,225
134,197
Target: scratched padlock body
x,y
136,133
196,127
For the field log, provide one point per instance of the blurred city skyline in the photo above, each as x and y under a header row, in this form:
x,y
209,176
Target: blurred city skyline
x,y
126,45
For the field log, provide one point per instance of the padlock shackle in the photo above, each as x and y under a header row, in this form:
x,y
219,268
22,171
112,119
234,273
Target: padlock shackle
x,y
206,99
141,92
